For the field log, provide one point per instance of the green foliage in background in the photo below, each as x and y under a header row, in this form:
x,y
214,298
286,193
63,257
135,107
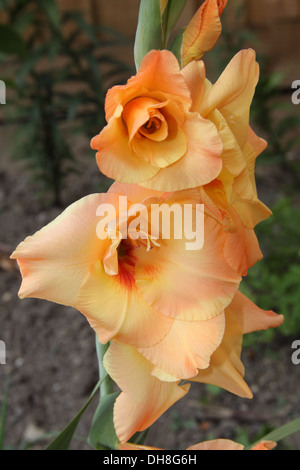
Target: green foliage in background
x,y
60,67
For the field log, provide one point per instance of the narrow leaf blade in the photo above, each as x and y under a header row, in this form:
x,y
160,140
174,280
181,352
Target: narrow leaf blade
x,y
149,30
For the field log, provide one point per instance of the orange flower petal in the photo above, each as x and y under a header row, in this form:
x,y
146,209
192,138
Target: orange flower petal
x,y
226,369
217,444
129,446
232,156
159,77
241,248
251,210
184,284
162,154
187,347
144,398
195,76
138,112
233,97
134,192
252,317
115,158
115,310
201,163
265,445
56,259
253,147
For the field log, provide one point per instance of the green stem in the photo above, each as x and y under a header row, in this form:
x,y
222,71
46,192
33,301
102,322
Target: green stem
x,y
107,386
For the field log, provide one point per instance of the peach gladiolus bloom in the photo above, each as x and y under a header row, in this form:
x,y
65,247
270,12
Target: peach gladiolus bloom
x,y
152,138
124,145
217,444
138,292
203,30
171,314
150,383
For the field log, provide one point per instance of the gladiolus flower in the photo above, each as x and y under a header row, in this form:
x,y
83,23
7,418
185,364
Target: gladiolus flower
x,y
151,137
203,31
127,151
172,314
217,444
136,291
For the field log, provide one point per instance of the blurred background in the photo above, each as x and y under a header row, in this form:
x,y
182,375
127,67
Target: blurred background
x,y
57,60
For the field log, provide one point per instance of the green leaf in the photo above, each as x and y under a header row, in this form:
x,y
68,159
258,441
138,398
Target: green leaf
x,y
63,440
102,433
149,30
11,42
281,433
171,15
